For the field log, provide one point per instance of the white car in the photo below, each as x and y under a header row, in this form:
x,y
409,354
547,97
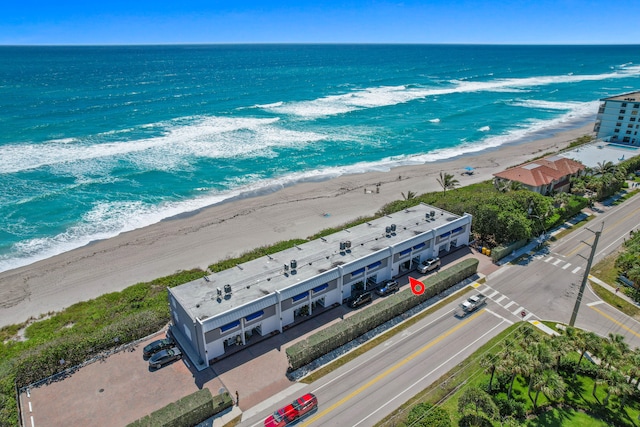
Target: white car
x,y
430,264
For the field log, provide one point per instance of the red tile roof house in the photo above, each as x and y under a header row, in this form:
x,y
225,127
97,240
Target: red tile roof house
x,y
545,176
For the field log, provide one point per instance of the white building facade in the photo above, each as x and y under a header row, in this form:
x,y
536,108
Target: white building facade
x,y
269,294
618,119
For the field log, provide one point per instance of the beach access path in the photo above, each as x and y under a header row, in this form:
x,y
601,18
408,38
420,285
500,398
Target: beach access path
x,y
206,236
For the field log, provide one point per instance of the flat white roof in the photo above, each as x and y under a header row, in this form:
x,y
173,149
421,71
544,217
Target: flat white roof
x,y
261,277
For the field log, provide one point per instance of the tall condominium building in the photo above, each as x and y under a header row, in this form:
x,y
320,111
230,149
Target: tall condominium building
x,y
618,119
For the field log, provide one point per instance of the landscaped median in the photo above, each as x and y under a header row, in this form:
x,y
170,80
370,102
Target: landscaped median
x,y
340,333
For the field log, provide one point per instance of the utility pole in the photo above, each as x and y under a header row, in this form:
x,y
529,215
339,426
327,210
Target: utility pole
x,y
586,276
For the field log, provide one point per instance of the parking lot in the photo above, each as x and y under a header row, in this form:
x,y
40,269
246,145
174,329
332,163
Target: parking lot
x,y
112,392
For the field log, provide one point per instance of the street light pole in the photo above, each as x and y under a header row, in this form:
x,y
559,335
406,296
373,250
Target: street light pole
x,y
586,276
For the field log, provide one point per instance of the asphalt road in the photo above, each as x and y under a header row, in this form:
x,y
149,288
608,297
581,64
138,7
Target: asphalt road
x,y
544,287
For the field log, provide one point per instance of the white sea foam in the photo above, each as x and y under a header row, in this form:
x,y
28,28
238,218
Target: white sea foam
x,y
435,120
217,137
392,95
484,129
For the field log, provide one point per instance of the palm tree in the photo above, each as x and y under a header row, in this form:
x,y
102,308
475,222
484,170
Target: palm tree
x,y
602,168
616,383
591,342
410,195
519,364
550,383
489,362
447,181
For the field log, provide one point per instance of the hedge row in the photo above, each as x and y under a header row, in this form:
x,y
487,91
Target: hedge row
x,y
363,321
188,411
72,350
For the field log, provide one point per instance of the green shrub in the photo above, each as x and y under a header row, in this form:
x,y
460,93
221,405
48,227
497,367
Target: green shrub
x,y
328,339
188,411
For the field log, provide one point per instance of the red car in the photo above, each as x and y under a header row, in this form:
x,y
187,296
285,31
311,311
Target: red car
x,y
292,412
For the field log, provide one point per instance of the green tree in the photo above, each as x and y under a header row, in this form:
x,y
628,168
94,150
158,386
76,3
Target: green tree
x,y
489,362
477,400
550,383
447,181
519,364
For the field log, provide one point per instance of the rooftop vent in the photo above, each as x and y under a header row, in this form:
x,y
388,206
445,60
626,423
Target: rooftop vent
x,y
227,289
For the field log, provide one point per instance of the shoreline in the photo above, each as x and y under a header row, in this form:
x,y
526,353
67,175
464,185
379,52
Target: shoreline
x,y
239,224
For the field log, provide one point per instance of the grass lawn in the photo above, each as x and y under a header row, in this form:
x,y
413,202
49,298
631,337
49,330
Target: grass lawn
x,y
565,417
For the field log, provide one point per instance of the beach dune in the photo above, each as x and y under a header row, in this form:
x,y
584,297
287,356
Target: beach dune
x,y
232,228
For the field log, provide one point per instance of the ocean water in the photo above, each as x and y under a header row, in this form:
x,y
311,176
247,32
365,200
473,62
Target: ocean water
x,y
95,141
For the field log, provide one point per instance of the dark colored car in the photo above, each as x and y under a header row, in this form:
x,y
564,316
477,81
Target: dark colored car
x,y
360,300
156,346
282,417
164,356
300,407
430,264
389,287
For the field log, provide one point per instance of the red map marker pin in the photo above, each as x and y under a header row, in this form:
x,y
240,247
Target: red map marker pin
x,y
417,287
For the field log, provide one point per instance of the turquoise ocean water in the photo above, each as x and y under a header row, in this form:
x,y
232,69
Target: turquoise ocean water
x,y
95,141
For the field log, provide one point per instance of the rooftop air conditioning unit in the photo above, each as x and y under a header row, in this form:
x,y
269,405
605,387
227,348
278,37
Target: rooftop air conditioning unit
x,y
393,227
227,289
343,246
347,244
294,264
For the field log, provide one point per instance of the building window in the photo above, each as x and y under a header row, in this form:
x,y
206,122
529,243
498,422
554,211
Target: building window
x,y
374,265
624,104
634,113
632,119
628,132
616,130
636,105
618,124
620,117
629,125
357,272
626,139
623,111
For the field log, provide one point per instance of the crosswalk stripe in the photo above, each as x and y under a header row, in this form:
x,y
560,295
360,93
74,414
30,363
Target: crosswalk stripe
x,y
557,262
510,304
575,270
501,298
493,295
567,265
517,312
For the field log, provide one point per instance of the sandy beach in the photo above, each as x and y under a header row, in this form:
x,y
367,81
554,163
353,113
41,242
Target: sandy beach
x,y
226,230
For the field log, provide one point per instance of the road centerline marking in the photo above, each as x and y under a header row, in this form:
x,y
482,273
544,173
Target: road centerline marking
x,y
390,370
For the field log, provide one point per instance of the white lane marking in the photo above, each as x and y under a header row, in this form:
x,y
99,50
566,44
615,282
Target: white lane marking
x,y
28,393
591,304
30,408
575,270
506,306
498,316
501,298
517,312
426,375
448,313
32,423
567,265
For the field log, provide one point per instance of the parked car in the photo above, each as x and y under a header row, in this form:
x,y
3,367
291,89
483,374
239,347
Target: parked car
x,y
360,300
281,417
156,346
164,356
300,407
429,265
389,287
